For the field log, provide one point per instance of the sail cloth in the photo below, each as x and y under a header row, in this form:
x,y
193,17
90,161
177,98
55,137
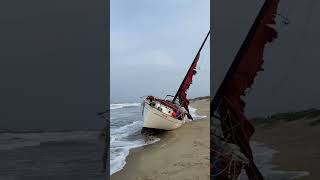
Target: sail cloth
x,y
182,94
232,106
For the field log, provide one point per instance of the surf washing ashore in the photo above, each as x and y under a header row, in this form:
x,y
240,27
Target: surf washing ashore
x,y
293,136
179,154
132,127
182,153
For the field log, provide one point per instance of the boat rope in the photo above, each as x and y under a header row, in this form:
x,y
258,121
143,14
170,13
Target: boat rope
x,y
296,50
223,170
225,155
231,128
285,20
245,150
220,137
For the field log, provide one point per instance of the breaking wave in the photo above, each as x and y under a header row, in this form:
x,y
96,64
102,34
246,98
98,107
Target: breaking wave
x,y
126,124
11,139
194,114
123,105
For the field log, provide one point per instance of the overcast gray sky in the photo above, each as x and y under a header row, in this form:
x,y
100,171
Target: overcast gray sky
x,y
153,44
53,60
291,78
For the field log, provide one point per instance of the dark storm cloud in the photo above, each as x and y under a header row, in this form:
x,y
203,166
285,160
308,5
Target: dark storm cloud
x,y
291,77
53,70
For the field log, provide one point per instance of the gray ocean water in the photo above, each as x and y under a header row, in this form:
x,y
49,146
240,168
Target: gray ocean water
x,y
125,126
50,155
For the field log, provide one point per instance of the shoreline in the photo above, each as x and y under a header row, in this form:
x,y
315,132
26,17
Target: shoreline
x,y
180,154
294,139
184,153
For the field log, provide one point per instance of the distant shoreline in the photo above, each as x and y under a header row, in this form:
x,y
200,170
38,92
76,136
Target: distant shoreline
x,y
199,98
291,116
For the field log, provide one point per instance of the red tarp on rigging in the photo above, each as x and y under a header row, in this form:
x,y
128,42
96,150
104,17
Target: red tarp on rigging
x,y
232,105
186,84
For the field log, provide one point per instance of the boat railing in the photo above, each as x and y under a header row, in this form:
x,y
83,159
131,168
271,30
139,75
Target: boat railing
x,y
168,96
169,104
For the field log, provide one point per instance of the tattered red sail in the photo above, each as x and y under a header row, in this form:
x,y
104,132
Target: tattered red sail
x,y
232,106
186,84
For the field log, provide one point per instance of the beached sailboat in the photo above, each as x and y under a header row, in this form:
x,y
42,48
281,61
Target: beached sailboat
x,y
166,114
230,149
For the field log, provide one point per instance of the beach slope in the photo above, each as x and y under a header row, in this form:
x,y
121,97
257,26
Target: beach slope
x,y
180,154
295,138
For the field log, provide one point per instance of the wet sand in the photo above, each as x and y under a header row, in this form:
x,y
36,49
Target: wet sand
x,y
180,154
296,142
184,153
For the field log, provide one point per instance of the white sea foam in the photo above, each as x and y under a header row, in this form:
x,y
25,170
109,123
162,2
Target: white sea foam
x,y
194,114
126,137
120,144
263,157
123,105
121,151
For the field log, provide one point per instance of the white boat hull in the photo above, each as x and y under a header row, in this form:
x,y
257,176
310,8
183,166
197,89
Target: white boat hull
x,y
153,118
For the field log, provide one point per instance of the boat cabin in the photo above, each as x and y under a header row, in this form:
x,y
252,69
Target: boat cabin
x,y
167,107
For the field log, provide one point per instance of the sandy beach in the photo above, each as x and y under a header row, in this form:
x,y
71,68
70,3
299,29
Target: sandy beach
x,y
184,153
295,138
180,154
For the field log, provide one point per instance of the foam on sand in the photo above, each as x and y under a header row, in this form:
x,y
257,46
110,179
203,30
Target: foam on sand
x,y
263,157
127,136
194,114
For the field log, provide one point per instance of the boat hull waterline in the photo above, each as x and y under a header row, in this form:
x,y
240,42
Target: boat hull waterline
x,y
155,119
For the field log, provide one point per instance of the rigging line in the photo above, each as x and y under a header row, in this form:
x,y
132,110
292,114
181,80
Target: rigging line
x,y
255,174
230,168
285,20
194,60
231,128
250,161
225,155
302,36
235,173
272,88
217,131
233,133
217,125
284,15
237,142
239,56
229,117
215,116
234,170
279,66
224,124
243,147
214,175
220,137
